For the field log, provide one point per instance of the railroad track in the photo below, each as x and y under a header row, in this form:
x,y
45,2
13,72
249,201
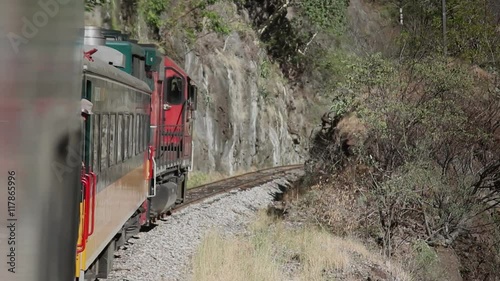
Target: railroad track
x,y
244,181
173,240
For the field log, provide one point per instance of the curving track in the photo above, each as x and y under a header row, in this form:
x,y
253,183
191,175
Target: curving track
x,y
241,182
164,253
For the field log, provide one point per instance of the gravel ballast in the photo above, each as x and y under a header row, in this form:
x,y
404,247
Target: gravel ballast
x,y
165,252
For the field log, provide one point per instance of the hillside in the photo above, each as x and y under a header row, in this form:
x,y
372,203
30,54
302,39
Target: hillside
x,y
249,115
399,125
258,107
409,156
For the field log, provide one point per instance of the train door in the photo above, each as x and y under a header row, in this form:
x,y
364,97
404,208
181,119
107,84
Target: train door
x,y
89,179
87,131
156,100
173,110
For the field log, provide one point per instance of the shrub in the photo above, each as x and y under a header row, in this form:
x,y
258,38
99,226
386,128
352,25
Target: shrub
x,y
431,145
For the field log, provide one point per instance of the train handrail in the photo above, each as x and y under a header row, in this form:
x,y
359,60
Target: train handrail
x,y
89,199
81,247
190,169
87,210
94,193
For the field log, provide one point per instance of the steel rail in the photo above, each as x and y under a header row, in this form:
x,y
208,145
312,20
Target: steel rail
x,y
242,182
294,166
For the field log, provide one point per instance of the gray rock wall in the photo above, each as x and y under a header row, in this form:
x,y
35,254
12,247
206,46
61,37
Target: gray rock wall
x,y
244,121
237,128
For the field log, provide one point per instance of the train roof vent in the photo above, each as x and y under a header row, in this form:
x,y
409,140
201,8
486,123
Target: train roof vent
x,y
94,36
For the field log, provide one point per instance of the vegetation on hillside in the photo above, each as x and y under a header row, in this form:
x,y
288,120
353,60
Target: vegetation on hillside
x,y
415,139
471,32
165,17
297,33
91,4
188,17
424,138
409,155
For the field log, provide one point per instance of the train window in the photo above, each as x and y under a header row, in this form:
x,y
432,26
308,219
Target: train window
x,y
134,133
125,136
138,69
174,90
135,67
119,147
141,135
141,124
137,133
142,69
145,132
130,135
112,140
138,130
104,141
95,143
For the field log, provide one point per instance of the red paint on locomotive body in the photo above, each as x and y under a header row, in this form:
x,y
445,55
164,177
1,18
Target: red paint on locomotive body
x,y
174,118
156,102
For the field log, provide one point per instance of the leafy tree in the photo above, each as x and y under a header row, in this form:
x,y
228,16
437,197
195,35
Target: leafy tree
x,y
291,29
152,11
91,4
187,17
471,29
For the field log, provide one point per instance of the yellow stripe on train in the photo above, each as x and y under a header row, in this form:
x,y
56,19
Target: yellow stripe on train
x,y
80,257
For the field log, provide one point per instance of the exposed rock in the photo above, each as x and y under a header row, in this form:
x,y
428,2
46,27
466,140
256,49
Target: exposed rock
x,y
243,120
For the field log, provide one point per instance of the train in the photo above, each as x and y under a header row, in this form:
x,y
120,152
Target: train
x,y
138,112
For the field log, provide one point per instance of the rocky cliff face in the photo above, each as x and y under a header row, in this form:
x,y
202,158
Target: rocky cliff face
x,y
248,115
237,127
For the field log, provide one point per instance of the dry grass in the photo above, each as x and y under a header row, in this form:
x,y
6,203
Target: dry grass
x,y
199,178
272,251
